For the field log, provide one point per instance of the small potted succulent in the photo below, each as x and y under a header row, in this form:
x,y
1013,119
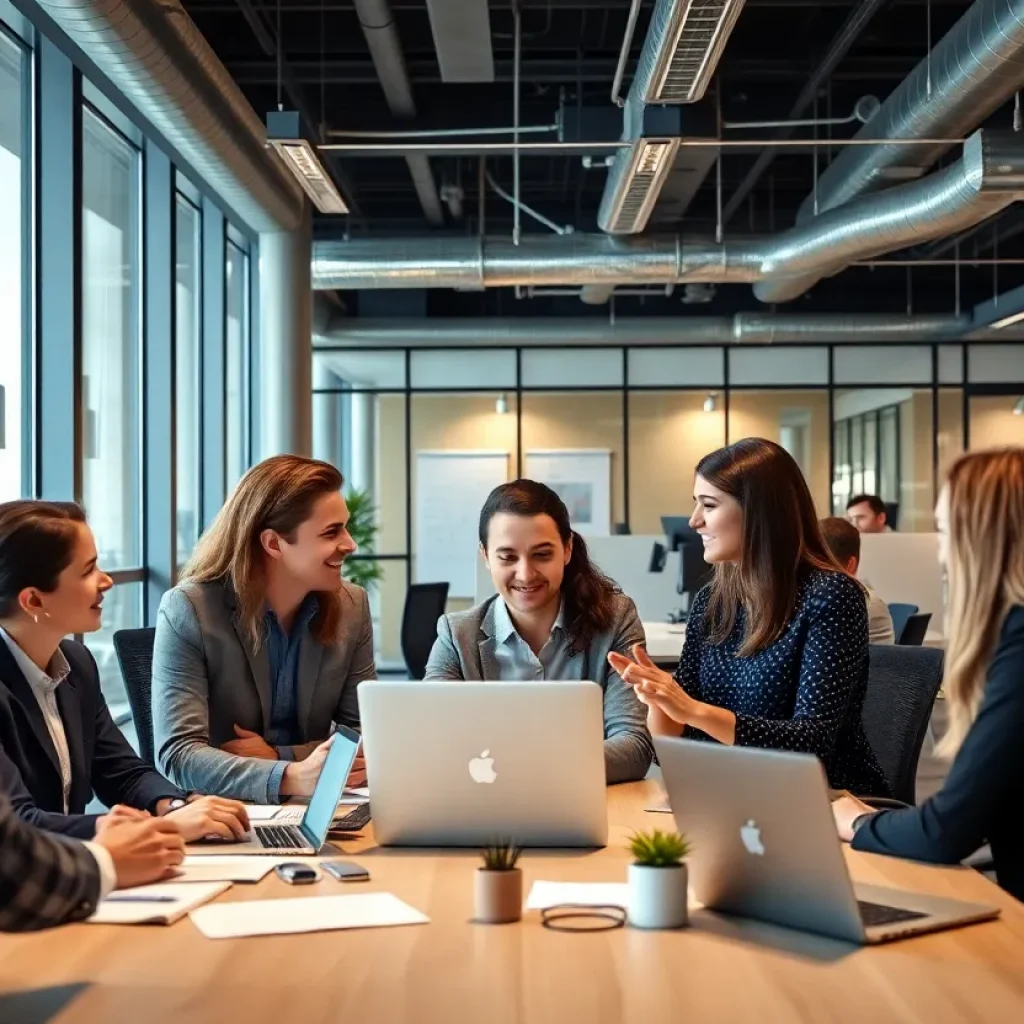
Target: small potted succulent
x,y
658,880
498,889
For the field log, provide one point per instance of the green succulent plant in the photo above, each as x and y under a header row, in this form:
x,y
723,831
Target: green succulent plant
x,y
362,524
657,849
501,856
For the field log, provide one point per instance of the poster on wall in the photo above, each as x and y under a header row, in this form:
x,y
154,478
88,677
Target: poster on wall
x,y
451,488
581,477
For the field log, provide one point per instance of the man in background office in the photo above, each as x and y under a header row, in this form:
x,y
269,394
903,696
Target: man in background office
x,y
843,541
867,512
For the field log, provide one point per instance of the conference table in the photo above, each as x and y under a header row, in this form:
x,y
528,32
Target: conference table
x,y
452,970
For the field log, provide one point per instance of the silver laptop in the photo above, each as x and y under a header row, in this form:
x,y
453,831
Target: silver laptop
x,y
765,846
467,763
305,838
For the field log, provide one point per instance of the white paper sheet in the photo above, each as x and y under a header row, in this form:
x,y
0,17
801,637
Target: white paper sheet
x,y
217,868
312,914
552,894
120,907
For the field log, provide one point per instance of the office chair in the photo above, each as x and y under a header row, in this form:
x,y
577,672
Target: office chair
x,y
424,605
903,683
899,613
914,631
134,650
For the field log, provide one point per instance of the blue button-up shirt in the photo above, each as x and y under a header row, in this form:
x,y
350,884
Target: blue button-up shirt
x,y
516,661
283,654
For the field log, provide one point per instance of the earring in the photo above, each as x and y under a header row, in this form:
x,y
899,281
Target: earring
x,y
35,619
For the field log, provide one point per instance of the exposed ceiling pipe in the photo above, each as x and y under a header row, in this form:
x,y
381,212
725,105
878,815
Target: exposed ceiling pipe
x,y
975,68
153,53
989,175
750,328
378,27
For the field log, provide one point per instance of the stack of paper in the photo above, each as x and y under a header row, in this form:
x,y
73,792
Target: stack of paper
x,y
163,903
314,914
591,894
218,868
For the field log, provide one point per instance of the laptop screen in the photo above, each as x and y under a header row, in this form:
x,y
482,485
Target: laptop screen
x,y
316,822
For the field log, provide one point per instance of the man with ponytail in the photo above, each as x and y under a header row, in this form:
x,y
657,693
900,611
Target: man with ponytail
x,y
555,616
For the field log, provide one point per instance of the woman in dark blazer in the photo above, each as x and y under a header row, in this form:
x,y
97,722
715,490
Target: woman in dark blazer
x,y
980,518
58,742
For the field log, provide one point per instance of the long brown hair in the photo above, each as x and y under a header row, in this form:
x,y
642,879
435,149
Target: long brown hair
x,y
781,542
277,494
985,572
588,595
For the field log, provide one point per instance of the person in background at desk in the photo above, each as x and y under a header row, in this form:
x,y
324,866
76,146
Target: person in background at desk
x,y
980,520
555,616
58,742
776,649
260,647
867,514
843,541
46,880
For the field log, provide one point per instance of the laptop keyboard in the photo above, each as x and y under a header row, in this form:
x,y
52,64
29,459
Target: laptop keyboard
x,y
356,819
873,914
280,837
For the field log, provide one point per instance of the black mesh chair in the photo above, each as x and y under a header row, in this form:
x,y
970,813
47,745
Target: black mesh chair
x,y
899,613
914,631
424,605
134,650
903,683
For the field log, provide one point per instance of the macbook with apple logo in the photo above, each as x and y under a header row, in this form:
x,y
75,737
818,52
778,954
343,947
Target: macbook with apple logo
x,y
469,763
765,846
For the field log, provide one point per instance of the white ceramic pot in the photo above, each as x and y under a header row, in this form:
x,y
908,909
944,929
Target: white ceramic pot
x,y
498,896
658,896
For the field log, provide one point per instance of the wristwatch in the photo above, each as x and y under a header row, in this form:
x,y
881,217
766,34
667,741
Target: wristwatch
x,y
177,803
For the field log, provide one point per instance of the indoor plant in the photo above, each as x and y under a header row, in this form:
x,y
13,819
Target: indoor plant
x,y
360,568
498,887
657,892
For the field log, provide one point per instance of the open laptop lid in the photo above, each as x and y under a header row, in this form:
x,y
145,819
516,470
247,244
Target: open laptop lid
x,y
316,822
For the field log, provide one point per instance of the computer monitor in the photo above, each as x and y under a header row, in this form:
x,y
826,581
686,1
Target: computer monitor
x,y
694,572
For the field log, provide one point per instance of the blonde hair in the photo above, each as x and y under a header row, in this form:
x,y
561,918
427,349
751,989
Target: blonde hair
x,y
278,494
985,570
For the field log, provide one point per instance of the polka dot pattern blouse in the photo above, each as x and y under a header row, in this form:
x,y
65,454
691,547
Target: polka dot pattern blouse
x,y
804,692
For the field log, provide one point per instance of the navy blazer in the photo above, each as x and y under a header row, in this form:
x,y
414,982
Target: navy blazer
x,y
102,761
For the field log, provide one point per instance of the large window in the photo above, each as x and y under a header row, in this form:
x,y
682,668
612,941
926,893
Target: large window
x,y
15,367
237,364
111,427
187,377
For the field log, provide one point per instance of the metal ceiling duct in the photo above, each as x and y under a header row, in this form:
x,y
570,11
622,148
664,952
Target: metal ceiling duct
x,y
154,54
751,328
976,67
462,39
989,176
378,25
684,43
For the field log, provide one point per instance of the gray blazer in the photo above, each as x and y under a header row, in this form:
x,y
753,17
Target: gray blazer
x,y
465,649
207,678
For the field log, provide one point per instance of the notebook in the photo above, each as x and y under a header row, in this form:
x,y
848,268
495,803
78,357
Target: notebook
x,y
163,903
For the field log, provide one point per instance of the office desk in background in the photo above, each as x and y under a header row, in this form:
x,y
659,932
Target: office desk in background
x,y
665,642
456,972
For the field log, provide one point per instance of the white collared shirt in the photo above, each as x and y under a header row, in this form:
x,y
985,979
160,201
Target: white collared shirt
x,y
44,688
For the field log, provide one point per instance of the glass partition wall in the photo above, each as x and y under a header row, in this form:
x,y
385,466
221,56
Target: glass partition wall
x,y
618,432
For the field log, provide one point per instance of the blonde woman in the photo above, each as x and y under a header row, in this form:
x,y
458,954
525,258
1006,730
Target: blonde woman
x,y
980,518
261,646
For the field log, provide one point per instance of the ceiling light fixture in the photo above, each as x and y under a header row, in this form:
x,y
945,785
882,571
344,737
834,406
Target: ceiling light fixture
x,y
501,405
284,135
632,193
1007,321
711,402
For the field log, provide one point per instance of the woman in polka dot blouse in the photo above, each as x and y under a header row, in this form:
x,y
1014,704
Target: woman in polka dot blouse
x,y
776,651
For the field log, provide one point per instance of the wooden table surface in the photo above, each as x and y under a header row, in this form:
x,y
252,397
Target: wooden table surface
x,y
453,970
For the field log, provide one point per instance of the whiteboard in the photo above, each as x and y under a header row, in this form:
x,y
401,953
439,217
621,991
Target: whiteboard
x,y
451,488
582,479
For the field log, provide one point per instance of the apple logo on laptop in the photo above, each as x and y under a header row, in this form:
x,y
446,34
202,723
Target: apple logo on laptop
x,y
481,769
751,836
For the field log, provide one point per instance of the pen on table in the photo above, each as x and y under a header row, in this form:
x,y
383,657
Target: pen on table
x,y
141,899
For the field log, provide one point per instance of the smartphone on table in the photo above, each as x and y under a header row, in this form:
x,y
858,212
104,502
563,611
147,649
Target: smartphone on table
x,y
345,870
